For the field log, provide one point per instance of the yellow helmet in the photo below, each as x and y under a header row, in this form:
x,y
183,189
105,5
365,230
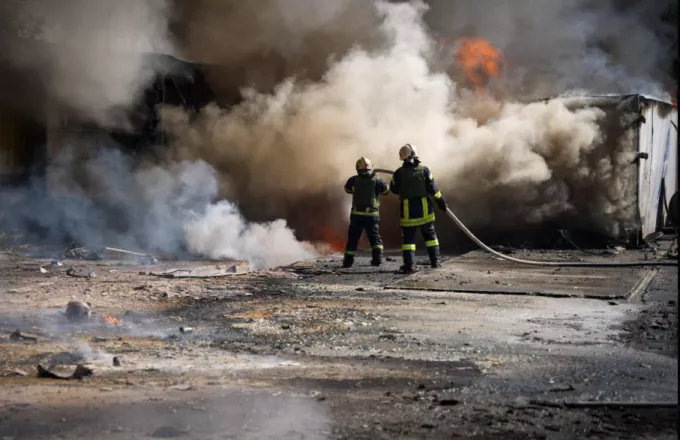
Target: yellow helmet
x,y
407,151
364,164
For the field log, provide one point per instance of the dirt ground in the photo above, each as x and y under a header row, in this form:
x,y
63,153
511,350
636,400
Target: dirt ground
x,y
318,352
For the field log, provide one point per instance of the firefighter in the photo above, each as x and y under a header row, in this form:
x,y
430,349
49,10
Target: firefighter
x,y
366,189
416,188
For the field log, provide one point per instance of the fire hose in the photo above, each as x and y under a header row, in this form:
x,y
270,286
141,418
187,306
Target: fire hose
x,y
479,243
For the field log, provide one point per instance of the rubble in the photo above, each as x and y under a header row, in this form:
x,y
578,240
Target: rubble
x,y
72,272
78,311
79,373
217,271
81,254
19,336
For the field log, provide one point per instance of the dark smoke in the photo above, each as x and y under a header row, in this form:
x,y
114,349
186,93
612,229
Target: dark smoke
x,y
554,47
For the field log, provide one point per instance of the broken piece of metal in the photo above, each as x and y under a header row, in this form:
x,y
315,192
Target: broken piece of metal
x,y
73,273
206,271
144,259
80,373
19,336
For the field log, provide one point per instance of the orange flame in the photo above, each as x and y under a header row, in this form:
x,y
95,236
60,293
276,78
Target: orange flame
x,y
110,319
480,60
332,237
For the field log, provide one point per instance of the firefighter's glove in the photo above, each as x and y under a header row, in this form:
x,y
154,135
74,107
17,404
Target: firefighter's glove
x,y
441,203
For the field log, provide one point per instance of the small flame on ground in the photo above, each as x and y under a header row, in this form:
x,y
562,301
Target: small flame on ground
x,y
480,60
331,237
110,319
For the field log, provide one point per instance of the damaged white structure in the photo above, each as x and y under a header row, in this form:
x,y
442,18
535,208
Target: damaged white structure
x,y
646,130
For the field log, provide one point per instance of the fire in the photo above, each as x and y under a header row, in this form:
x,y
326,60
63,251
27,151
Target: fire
x,y
332,237
110,319
480,60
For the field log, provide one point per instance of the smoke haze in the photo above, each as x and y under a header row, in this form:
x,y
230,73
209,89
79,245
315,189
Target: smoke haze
x,y
91,55
315,84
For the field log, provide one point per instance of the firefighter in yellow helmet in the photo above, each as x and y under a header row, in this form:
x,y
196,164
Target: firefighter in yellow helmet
x,y
416,188
366,189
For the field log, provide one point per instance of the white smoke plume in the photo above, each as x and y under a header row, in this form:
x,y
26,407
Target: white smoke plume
x,y
111,199
501,163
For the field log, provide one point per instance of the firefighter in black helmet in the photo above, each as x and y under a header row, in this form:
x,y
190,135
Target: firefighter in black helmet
x,y
416,188
366,189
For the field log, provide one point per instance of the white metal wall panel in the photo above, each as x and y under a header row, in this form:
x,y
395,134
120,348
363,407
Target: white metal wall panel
x,y
658,139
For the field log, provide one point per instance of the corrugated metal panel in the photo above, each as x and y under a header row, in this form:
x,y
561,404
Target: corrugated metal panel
x,y
658,139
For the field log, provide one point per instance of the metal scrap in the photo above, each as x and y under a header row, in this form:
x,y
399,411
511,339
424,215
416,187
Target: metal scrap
x,y
19,336
71,272
204,272
80,373
81,254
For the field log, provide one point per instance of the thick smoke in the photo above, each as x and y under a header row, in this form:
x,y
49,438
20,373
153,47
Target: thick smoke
x,y
501,163
317,84
91,55
596,46
109,199
259,43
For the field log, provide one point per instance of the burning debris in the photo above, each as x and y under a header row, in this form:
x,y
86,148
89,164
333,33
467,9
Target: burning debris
x,y
78,312
108,319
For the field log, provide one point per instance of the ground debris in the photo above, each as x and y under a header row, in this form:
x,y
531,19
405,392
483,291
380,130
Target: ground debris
x,y
80,373
72,272
216,271
81,254
449,402
169,432
78,311
17,336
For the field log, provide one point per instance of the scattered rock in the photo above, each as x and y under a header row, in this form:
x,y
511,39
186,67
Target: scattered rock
x,y
78,311
116,361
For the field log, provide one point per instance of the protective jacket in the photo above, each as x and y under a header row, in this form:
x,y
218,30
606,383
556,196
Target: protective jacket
x,y
415,186
366,192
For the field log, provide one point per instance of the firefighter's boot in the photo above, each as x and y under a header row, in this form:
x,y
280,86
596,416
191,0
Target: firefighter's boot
x,y
348,261
377,257
435,260
407,268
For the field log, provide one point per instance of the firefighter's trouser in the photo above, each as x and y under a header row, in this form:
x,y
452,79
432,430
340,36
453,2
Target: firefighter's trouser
x,y
408,243
357,225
